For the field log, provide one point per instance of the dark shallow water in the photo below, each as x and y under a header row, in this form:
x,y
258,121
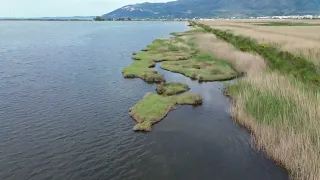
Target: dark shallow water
x,y
64,111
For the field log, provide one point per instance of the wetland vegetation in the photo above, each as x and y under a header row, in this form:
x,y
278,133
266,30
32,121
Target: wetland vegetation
x,y
153,108
278,99
202,68
278,59
178,54
172,88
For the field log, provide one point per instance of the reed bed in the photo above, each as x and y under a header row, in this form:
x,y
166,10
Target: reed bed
x,y
278,107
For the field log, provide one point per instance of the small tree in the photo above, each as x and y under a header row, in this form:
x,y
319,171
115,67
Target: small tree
x,y
98,18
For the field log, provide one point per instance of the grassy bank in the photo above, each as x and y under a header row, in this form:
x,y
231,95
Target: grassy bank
x,y
179,54
153,108
172,88
298,40
143,67
283,114
277,59
202,68
278,100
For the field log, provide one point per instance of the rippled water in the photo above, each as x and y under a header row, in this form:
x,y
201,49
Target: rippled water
x,y
64,111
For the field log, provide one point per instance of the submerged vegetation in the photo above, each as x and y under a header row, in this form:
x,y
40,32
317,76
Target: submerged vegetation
x,y
153,108
172,88
279,103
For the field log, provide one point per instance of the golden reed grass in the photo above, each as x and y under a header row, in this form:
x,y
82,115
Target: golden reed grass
x,y
300,40
293,137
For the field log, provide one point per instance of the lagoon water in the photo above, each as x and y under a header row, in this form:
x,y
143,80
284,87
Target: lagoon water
x,y
64,111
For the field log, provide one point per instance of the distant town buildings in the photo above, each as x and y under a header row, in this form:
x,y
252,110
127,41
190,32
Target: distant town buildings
x,y
264,17
289,17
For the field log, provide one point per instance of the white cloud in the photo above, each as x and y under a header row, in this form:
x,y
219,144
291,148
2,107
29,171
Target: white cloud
x,y
42,8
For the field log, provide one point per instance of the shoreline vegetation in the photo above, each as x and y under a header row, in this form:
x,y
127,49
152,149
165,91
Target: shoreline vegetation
x,y
278,98
181,54
172,88
153,108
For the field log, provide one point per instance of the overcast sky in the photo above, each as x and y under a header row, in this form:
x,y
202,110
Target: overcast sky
x,y
44,8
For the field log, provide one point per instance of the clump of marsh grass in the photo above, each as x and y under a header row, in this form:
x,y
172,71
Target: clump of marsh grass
x,y
202,68
172,88
153,108
159,50
143,70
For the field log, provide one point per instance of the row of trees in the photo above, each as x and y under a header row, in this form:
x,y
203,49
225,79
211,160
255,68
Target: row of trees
x,y
99,18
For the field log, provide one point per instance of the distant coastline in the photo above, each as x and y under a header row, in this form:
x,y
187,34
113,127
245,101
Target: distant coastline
x,y
66,18
44,20
13,19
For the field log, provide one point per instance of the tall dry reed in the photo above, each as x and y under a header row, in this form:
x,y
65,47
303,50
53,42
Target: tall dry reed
x,y
281,112
300,40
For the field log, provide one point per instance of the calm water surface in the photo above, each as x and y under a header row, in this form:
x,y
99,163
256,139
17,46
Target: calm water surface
x,y
64,111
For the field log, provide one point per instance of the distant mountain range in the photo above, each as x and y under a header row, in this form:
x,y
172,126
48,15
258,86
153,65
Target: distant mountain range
x,y
214,8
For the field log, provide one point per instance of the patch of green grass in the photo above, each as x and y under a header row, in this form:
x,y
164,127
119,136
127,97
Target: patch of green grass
x,y
189,32
189,99
172,47
282,61
159,50
195,30
180,47
143,70
153,108
172,88
202,69
144,55
202,57
267,108
177,34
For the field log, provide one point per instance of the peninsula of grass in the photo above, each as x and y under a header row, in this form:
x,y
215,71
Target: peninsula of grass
x,y
153,108
143,70
277,59
172,88
159,50
203,68
179,54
